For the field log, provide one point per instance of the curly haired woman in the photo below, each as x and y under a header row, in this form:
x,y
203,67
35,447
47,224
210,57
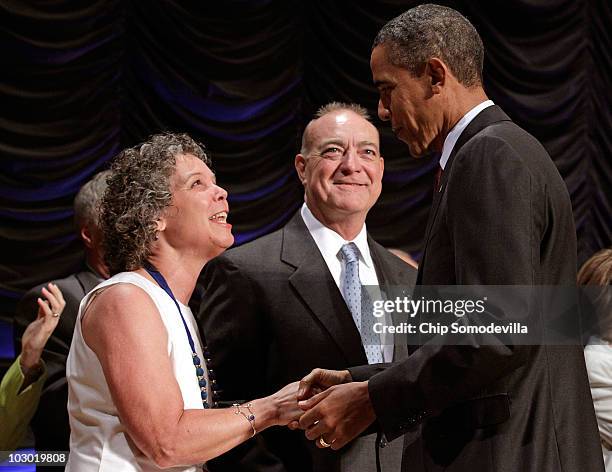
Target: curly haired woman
x,y
138,384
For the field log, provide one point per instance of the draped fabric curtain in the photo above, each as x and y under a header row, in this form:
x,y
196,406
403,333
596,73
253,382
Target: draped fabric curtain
x,y
82,80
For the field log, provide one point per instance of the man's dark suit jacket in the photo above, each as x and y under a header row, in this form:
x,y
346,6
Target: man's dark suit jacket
x,y
50,423
502,216
271,312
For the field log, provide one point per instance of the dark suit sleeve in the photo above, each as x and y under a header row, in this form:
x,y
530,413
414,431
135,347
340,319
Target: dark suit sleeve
x,y
235,334
490,219
365,372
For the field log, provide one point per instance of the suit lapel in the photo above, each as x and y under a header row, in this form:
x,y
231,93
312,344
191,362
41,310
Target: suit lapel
x,y
88,280
391,277
486,117
314,284
384,272
433,212
389,270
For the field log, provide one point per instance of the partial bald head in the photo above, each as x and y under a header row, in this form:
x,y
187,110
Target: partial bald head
x,y
335,108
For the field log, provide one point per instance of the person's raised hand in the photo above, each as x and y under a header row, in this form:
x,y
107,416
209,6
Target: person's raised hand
x,y
38,331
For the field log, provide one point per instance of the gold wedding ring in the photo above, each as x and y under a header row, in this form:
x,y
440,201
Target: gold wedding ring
x,y
323,443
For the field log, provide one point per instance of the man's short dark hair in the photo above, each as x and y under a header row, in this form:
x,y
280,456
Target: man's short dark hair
x,y
427,31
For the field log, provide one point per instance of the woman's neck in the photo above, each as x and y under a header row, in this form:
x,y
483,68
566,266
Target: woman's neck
x,y
180,274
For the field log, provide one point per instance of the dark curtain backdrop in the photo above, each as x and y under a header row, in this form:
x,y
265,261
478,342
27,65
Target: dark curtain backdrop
x,y
81,80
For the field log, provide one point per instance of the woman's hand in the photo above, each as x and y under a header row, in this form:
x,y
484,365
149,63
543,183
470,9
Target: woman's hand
x,y
38,331
286,404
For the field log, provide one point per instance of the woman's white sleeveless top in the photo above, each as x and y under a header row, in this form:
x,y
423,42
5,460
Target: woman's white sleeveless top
x,y
98,440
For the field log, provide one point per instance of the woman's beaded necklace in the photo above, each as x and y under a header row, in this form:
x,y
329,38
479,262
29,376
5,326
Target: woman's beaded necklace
x,y
161,281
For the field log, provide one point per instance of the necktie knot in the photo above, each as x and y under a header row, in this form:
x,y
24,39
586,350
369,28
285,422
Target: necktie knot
x,y
350,253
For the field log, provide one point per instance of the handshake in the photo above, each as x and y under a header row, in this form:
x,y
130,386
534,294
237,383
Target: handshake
x,y
327,405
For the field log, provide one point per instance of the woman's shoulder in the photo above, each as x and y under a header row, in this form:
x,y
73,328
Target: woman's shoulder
x,y
126,291
121,285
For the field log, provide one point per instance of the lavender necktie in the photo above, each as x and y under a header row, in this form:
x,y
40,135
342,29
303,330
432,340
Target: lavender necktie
x,y
355,298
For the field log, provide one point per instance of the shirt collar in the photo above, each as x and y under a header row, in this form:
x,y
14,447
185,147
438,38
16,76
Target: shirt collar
x,y
453,135
329,242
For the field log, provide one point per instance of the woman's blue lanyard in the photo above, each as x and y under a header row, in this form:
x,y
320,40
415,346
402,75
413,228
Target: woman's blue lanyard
x,y
161,281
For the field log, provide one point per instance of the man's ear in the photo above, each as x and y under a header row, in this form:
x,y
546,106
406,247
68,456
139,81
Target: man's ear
x,y
300,167
438,73
86,236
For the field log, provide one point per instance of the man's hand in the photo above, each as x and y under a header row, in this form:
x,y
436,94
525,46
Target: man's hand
x,y
316,382
337,415
321,379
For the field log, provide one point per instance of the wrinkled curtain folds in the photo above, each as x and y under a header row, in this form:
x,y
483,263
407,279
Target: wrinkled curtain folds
x,y
82,80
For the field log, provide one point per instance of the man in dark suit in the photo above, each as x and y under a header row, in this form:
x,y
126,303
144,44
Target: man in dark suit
x,y
275,308
50,423
501,216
